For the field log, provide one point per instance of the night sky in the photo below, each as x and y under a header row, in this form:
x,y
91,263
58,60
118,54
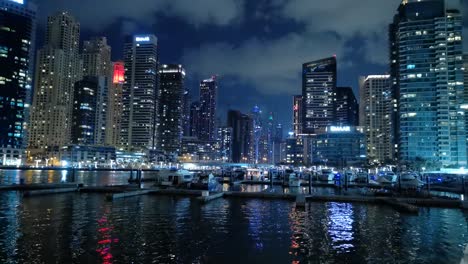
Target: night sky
x,y
257,47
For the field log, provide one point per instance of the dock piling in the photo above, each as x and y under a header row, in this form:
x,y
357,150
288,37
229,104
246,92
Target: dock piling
x,y
300,201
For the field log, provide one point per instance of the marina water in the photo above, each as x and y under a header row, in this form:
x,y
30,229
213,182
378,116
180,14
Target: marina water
x,y
85,228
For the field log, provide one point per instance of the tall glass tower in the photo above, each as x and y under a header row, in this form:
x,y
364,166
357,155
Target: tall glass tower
x,y
318,94
171,95
208,95
140,92
427,75
17,32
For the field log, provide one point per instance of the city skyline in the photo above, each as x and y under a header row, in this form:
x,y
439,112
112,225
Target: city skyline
x,y
74,74
263,37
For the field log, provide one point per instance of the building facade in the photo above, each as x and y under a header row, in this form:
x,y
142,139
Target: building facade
x,y
140,91
225,143
58,67
208,101
195,119
427,62
171,116
297,114
347,107
85,111
318,94
115,106
339,146
17,37
375,116
465,106
186,103
96,57
242,136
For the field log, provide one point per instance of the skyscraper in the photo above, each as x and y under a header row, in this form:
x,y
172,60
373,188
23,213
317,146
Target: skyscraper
x,y
85,105
426,69
208,96
297,115
115,106
347,107
171,96
225,143
186,102
242,136
57,70
375,116
17,36
140,92
96,57
195,119
465,106
318,93
97,62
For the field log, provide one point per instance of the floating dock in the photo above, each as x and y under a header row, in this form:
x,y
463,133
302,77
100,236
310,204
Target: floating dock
x,y
48,191
111,197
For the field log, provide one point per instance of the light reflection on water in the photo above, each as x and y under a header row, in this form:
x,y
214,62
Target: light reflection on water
x,y
84,228
340,226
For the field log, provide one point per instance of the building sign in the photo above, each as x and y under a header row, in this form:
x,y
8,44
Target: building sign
x,y
340,129
142,39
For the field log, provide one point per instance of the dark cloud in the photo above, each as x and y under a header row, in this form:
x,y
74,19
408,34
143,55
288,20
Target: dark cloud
x,y
97,14
257,45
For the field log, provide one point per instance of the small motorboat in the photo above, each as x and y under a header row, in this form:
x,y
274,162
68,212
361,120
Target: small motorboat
x,y
327,175
294,180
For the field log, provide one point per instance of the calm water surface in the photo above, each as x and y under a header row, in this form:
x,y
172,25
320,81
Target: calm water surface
x,y
84,228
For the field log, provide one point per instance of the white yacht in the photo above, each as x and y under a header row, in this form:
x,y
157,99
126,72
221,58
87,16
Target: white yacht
x,y
174,177
387,177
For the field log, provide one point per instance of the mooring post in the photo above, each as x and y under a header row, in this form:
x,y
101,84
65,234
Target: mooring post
x,y
270,175
346,181
139,178
73,175
463,185
399,183
427,184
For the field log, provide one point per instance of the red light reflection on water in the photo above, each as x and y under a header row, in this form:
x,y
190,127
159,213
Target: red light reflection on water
x,y
105,240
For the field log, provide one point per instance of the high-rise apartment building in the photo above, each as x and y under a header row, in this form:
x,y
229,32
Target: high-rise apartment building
x,y
242,136
85,105
465,106
208,96
115,106
318,93
426,68
17,36
97,62
195,119
297,114
375,116
186,103
96,57
140,91
171,96
58,67
225,143
347,107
